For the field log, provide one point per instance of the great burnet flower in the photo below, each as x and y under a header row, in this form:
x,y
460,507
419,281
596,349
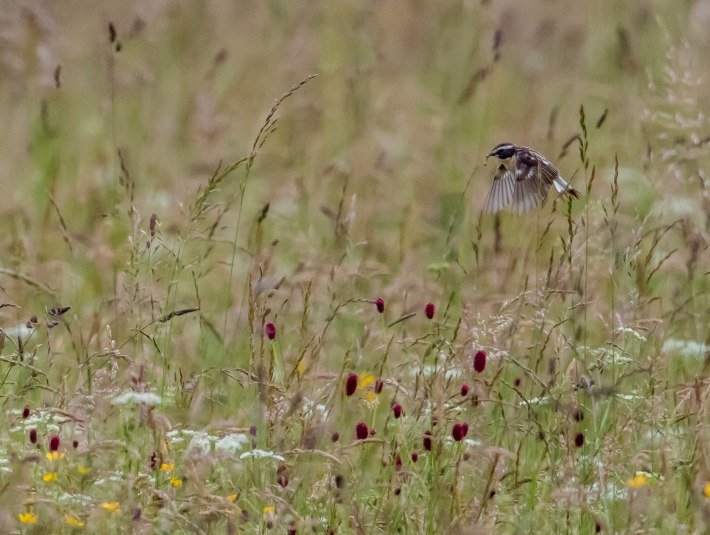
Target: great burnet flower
x,y
426,441
459,431
361,431
479,361
350,384
397,410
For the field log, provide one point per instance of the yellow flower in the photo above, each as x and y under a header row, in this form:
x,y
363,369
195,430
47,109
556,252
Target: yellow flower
x,y
269,509
73,521
232,497
112,507
53,455
706,489
167,468
83,470
371,399
175,481
365,380
27,518
638,481
49,477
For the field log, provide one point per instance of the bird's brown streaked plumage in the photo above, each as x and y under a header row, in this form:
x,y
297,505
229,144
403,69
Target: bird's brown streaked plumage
x,y
522,179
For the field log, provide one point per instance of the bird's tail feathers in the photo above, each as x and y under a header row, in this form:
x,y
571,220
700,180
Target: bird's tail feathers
x,y
562,186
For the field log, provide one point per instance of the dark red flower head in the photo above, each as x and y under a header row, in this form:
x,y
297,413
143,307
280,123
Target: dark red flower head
x,y
457,432
429,310
350,384
379,384
33,436
415,456
54,443
335,436
397,410
517,382
426,443
26,412
464,428
479,361
361,431
380,304
270,330
398,463
464,390
579,440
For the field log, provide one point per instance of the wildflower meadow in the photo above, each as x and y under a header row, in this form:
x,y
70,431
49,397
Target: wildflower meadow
x,y
246,284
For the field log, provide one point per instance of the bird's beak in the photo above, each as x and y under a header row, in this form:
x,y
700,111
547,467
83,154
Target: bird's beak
x,y
489,155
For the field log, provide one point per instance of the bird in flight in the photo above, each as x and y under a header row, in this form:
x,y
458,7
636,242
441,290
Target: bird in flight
x,y
522,179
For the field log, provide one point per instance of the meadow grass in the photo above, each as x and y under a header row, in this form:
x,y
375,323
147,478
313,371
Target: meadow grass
x,y
247,287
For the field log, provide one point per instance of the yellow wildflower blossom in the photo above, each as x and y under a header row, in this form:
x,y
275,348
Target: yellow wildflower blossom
x,y
50,477
371,399
638,481
73,521
365,380
167,468
83,470
112,507
269,509
706,489
53,455
232,497
175,481
27,518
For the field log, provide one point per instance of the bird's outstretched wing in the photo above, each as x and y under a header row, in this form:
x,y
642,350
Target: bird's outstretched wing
x,y
501,193
533,177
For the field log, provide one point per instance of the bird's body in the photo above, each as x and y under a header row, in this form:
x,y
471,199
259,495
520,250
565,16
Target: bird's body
x,y
522,179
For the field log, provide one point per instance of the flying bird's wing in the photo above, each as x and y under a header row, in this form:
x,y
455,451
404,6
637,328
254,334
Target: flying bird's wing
x,y
533,177
501,193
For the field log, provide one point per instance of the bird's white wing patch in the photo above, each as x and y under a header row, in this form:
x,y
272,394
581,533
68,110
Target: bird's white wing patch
x,y
501,193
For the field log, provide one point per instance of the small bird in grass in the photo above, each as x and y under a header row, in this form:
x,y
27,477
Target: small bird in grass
x,y
522,179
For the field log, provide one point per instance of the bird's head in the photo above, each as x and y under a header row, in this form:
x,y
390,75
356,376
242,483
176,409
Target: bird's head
x,y
503,151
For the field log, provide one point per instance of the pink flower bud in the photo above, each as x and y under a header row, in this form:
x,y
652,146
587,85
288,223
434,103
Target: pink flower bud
x,y
380,304
270,330
429,310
